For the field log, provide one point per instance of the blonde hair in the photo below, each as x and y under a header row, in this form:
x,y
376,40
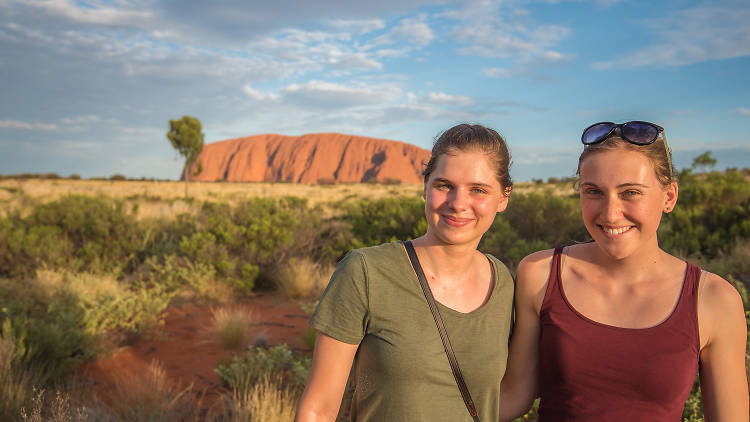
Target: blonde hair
x,y
657,153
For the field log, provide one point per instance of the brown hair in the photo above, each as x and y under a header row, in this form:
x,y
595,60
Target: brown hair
x,y
466,137
656,153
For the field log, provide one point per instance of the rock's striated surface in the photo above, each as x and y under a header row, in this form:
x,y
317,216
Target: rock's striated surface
x,y
310,159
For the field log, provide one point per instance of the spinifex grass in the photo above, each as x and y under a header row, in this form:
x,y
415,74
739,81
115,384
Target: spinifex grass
x,y
302,277
267,400
231,326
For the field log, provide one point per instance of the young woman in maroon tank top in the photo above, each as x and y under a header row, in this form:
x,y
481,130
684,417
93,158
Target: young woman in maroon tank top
x,y
615,329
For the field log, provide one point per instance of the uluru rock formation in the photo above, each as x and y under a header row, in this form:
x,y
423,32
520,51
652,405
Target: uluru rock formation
x,y
331,157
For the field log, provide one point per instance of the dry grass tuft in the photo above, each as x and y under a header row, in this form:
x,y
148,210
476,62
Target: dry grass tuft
x,y
15,382
231,327
265,401
302,278
59,409
149,396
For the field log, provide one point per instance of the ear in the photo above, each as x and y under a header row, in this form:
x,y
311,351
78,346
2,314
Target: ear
x,y
670,197
504,198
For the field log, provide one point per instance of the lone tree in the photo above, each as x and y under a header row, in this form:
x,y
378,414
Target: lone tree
x,y
186,137
704,161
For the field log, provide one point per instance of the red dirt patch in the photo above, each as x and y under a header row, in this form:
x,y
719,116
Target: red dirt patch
x,y
189,353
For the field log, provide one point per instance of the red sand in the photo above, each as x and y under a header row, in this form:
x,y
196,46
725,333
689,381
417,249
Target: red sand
x,y
187,351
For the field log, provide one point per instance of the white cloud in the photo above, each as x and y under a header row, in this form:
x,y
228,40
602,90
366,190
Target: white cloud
x,y
409,33
744,111
443,98
257,95
497,72
696,35
339,95
360,26
415,31
16,124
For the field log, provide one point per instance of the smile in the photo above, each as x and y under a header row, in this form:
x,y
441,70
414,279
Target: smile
x,y
614,231
456,221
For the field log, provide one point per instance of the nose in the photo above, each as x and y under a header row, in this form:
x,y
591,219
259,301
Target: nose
x,y
458,199
612,210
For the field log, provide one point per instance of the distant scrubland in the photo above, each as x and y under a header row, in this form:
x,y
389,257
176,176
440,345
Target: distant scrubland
x,y
87,265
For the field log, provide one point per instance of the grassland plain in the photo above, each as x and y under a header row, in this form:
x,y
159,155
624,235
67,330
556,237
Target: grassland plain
x,y
91,265
166,199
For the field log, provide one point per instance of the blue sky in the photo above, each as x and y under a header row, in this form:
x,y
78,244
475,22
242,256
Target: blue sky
x,y
89,87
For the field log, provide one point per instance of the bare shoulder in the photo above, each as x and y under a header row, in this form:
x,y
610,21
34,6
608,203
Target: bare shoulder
x,y
718,295
532,276
535,266
720,310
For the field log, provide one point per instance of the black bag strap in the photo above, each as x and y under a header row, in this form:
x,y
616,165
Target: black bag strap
x,y
441,328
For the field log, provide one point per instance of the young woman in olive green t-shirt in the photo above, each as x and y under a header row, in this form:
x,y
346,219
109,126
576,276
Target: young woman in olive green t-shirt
x,y
374,315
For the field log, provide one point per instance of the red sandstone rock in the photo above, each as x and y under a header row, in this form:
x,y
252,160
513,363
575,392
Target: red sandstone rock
x,y
310,159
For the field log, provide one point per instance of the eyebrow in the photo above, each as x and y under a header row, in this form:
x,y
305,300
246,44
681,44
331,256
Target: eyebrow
x,y
622,185
440,179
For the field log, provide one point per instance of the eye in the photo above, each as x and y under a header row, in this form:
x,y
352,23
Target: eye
x,y
478,190
630,193
441,186
592,191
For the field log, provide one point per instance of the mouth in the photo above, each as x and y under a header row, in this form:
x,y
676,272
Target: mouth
x,y
456,221
615,231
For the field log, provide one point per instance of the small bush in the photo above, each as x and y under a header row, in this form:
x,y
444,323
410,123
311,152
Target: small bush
x,y
278,362
301,278
231,327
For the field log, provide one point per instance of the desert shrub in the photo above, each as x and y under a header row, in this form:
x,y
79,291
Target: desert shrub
x,y
267,400
79,233
384,220
244,243
62,317
184,278
231,326
532,222
712,214
257,363
301,277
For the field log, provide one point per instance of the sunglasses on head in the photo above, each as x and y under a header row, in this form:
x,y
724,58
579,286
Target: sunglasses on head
x,y
635,132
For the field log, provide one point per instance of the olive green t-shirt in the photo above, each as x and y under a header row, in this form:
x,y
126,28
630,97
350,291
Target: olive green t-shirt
x,y
401,371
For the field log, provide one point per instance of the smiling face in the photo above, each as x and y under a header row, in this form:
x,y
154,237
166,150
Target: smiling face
x,y
622,201
462,196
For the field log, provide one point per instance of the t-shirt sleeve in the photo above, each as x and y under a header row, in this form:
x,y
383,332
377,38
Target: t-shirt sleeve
x,y
343,310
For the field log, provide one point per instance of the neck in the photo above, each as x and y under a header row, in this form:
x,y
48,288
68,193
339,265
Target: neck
x,y
442,259
644,261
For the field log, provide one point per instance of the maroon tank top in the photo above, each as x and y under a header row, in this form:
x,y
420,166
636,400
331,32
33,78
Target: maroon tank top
x,y
596,372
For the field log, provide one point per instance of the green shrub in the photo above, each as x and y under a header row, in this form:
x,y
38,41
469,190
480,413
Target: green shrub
x,y
78,233
62,317
384,220
257,363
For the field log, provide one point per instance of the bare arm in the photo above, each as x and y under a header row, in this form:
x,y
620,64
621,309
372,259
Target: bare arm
x,y
723,339
332,362
519,385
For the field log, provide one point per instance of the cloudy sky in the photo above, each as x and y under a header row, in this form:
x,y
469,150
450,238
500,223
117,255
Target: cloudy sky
x,y
88,87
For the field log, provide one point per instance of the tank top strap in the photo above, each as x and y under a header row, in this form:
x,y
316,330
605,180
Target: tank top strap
x,y
553,282
687,307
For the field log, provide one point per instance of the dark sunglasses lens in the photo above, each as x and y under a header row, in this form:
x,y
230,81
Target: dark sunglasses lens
x,y
640,133
596,133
